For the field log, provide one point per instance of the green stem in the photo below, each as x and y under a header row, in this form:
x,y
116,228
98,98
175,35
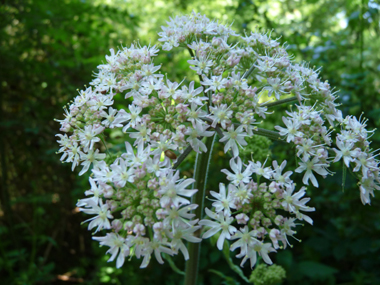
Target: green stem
x,y
248,72
182,156
200,176
279,102
102,139
273,135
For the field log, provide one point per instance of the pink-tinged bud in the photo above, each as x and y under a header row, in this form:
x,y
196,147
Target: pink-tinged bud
x,y
252,186
120,195
146,119
230,61
148,221
157,227
128,226
254,223
242,219
155,136
138,76
228,83
74,110
112,205
146,59
162,94
216,41
107,190
152,184
279,220
140,184
117,225
273,187
160,214
218,70
65,127
236,60
298,140
181,39
275,235
260,232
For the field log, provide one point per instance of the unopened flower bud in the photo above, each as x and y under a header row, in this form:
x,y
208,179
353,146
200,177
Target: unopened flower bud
x,y
116,225
139,229
242,219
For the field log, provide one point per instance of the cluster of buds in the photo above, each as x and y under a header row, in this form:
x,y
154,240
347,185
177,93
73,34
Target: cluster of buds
x,y
138,195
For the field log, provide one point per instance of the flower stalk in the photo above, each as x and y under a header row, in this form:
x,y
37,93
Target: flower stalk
x,y
200,175
280,102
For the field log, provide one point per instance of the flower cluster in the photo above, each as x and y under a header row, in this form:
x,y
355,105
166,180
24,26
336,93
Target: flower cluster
x,y
245,211
138,195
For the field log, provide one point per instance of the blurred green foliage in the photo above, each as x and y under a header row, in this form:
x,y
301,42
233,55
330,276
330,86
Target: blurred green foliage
x,y
49,49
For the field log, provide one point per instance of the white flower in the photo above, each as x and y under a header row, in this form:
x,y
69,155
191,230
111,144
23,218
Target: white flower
x,y
112,119
93,157
154,165
234,138
186,234
89,136
215,83
157,247
239,176
263,249
202,65
170,90
171,191
222,223
220,115
260,169
237,81
367,185
345,151
282,179
137,159
195,114
163,144
249,245
102,212
275,86
224,201
177,217
310,166
195,134
122,173
292,129
117,246
292,202
132,117
190,94
142,136
241,194
95,191
306,148
102,172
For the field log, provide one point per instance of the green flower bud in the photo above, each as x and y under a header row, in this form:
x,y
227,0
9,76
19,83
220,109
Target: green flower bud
x,y
267,275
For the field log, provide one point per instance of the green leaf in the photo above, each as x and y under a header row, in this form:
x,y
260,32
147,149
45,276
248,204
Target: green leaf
x,y
316,270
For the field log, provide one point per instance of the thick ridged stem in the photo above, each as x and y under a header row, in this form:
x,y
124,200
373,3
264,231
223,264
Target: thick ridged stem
x,y
200,176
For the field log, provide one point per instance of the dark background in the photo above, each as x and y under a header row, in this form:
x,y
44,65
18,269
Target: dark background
x,y
50,48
